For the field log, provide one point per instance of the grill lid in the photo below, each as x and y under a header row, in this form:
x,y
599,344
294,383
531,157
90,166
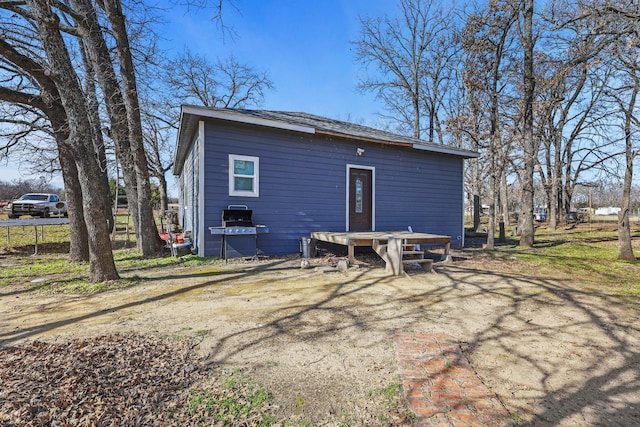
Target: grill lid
x,y
237,215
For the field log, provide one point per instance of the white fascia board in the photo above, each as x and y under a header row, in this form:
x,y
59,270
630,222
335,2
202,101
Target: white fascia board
x,y
240,118
447,150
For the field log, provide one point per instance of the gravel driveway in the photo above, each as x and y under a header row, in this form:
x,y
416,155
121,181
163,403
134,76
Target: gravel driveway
x,y
554,352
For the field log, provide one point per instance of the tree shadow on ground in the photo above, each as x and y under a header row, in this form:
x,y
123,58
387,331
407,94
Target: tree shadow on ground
x,y
9,337
609,393
511,317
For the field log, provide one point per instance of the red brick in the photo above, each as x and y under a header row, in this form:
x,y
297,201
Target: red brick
x,y
416,404
434,366
488,404
461,372
427,411
413,373
477,393
452,387
461,416
449,401
416,393
440,385
466,420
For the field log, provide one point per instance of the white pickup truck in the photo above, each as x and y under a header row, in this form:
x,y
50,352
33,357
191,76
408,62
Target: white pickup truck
x,y
36,204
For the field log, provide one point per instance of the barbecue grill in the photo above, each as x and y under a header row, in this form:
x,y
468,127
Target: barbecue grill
x,y
238,233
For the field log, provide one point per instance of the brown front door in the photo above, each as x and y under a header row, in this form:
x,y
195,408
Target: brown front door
x,y
360,199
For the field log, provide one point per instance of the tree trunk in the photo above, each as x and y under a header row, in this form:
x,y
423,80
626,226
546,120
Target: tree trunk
x,y
527,228
477,212
97,51
98,140
101,264
150,243
503,208
491,226
493,191
625,248
50,104
556,211
416,112
553,205
78,236
164,200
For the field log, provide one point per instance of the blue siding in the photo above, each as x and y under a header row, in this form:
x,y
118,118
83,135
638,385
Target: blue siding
x,y
188,189
303,185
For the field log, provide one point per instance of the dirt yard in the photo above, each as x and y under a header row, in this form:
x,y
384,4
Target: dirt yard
x,y
554,352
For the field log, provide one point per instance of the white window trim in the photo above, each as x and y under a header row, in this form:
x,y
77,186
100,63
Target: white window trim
x,y
256,175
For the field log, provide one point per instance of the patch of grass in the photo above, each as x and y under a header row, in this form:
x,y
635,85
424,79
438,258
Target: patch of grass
x,y
190,260
131,259
583,256
24,235
83,286
591,263
298,405
630,290
392,391
391,396
517,418
54,274
25,269
234,402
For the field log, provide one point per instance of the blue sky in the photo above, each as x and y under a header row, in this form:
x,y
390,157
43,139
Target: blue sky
x,y
305,46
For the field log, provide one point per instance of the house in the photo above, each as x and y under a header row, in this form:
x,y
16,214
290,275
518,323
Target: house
x,y
301,173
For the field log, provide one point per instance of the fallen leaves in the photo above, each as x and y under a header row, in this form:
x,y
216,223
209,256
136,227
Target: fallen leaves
x,y
119,379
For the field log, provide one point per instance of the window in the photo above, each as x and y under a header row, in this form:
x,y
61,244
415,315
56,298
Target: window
x,y
358,195
243,175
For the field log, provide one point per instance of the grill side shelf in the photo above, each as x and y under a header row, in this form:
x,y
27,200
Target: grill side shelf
x,y
217,230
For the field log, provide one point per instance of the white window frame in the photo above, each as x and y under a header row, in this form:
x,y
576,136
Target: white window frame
x,y
256,174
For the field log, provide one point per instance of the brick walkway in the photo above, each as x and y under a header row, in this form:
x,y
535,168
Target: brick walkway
x,y
440,385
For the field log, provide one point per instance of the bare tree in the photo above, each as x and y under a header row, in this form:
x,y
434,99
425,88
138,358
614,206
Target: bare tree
x,y
529,143
191,78
561,83
631,122
96,127
625,49
41,101
158,131
150,242
488,38
123,109
101,263
571,115
87,27
412,56
224,84
618,22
